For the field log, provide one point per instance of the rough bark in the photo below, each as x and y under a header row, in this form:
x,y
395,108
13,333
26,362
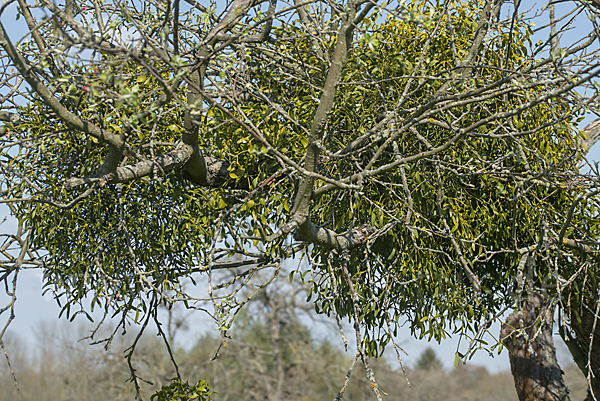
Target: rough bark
x,y
527,334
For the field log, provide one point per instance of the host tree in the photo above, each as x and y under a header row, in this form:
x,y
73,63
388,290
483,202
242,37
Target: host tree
x,y
423,160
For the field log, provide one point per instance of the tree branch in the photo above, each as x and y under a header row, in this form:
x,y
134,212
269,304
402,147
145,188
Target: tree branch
x,y
329,239
592,131
344,41
166,162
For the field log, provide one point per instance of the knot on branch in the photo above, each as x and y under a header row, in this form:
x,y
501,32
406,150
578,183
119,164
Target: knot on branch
x,y
360,235
217,171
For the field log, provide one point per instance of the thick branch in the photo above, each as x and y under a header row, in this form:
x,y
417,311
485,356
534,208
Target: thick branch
x,y
39,40
12,118
574,244
215,173
314,234
592,130
344,41
166,162
195,169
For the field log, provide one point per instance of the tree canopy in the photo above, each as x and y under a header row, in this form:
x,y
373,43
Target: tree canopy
x,y
425,158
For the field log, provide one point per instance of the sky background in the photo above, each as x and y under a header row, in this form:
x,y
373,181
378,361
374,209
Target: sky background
x,y
32,308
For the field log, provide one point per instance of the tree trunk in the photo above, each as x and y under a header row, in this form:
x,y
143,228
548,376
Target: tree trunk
x,y
528,336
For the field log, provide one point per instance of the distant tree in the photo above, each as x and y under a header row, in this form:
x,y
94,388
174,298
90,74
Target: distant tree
x,y
428,360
